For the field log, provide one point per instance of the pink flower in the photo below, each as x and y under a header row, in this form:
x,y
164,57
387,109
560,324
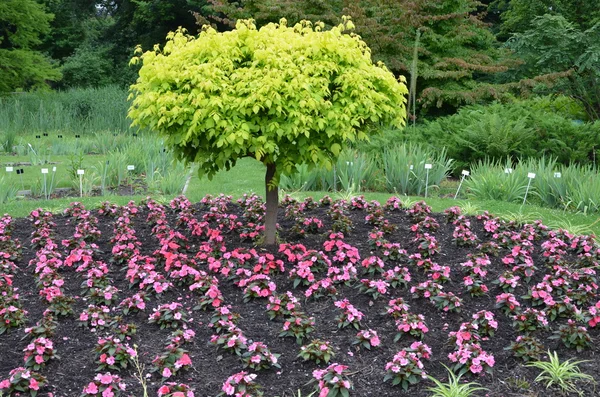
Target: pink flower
x,y
33,384
166,373
164,389
108,392
106,379
91,388
39,359
110,360
228,389
324,392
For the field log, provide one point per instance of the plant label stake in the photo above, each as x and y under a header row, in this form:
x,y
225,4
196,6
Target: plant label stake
x,y
131,168
557,175
80,173
9,169
530,175
20,173
52,180
31,147
465,173
44,172
508,171
427,168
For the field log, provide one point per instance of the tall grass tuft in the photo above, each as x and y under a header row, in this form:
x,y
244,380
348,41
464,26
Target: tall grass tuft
x,y
404,168
489,181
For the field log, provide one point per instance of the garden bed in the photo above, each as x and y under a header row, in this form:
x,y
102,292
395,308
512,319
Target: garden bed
x,y
219,237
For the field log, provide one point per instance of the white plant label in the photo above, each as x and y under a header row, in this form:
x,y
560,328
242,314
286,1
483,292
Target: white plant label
x,y
410,167
9,169
508,170
80,172
53,169
531,175
557,175
465,173
428,166
44,170
130,167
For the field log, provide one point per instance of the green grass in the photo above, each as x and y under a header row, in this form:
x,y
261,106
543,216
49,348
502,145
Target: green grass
x,y
248,176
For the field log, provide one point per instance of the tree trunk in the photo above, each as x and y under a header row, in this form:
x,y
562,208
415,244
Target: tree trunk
x,y
272,195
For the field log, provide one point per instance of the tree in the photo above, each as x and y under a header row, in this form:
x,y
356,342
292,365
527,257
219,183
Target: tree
x,y
457,53
554,45
283,95
22,22
517,16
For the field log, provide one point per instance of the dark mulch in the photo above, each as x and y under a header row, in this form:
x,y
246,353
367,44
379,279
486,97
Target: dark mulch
x,y
68,375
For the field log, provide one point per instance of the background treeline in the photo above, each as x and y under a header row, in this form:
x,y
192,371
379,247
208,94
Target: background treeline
x,y
458,52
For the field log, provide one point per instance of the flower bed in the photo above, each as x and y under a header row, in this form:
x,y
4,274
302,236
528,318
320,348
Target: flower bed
x,y
365,293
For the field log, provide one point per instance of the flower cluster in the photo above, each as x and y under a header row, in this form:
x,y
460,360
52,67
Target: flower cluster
x,y
22,380
169,315
38,353
349,316
258,356
406,368
241,385
104,385
367,339
332,380
317,351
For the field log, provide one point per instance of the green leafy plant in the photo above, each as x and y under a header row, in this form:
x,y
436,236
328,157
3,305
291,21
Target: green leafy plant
x,y
562,375
454,387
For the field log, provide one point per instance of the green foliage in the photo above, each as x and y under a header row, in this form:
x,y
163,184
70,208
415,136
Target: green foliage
x,y
552,45
76,111
218,97
561,374
489,181
455,48
518,15
22,22
520,129
454,387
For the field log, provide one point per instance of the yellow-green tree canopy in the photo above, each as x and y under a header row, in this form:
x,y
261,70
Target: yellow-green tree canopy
x,y
283,95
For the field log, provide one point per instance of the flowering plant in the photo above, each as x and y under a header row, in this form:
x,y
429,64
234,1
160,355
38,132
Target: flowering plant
x,y
332,381
172,389
508,281
298,325
412,324
135,303
241,385
426,289
367,339
170,361
349,316
373,288
471,357
22,380
447,302
307,225
397,307
111,353
257,286
485,322
507,303
258,356
11,315
373,265
406,368
397,277
104,385
573,335
96,317
529,320
526,348
169,315
282,305
38,353
317,351
231,339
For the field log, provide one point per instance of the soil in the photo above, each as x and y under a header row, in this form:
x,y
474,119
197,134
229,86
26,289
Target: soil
x,y
68,375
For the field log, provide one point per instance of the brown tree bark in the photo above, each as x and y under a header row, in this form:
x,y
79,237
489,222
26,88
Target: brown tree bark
x,y
272,195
